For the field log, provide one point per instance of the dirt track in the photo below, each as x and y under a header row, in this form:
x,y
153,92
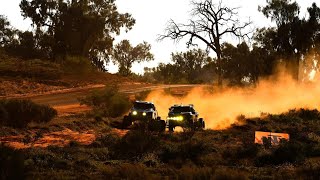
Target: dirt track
x,y
66,102
71,97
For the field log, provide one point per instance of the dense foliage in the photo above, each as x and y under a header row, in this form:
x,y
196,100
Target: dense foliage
x,y
125,55
19,113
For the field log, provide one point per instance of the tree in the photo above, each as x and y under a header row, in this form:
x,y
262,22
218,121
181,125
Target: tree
x,y
6,31
167,73
242,65
262,62
209,24
78,27
125,55
293,37
190,63
235,62
281,11
193,66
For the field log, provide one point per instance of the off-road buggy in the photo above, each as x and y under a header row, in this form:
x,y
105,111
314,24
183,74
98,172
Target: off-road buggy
x,y
144,115
184,116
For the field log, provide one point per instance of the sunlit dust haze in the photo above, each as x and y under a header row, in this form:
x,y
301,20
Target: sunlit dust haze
x,y
221,108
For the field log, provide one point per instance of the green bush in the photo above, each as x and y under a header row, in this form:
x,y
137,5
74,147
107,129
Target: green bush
x,y
18,113
107,103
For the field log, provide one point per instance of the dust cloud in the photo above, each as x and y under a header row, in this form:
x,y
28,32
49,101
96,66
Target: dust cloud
x,y
220,108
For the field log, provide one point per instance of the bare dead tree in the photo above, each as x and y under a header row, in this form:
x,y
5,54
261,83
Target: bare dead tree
x,y
209,23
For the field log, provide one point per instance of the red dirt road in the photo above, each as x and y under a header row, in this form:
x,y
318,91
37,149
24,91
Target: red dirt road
x,y
67,102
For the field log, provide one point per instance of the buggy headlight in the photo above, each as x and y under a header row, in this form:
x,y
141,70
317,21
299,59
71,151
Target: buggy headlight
x,y
177,118
144,114
134,113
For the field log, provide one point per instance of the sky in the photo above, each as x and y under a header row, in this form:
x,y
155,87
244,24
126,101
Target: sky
x,y
151,19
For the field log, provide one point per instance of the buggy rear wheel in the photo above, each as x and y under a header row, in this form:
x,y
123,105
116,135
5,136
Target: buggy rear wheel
x,y
202,123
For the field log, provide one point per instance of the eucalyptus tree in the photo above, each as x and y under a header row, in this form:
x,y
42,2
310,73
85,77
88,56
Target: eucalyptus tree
x,y
209,23
79,27
124,55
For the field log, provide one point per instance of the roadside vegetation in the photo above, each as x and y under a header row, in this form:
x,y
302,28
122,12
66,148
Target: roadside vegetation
x,y
292,42
59,52
18,113
36,76
107,103
208,154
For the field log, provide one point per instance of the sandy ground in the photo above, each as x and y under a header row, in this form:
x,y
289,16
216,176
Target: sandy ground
x,y
71,109
56,138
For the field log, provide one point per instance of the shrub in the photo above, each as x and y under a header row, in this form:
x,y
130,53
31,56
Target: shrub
x,y
3,115
299,116
128,171
196,173
229,173
77,65
18,113
135,144
310,169
287,152
150,160
107,103
11,163
107,140
36,69
189,150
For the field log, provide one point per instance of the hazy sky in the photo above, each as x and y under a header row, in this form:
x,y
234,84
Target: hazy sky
x,y
151,19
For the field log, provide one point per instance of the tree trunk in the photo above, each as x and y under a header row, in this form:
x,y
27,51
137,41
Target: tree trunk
x,y
296,68
292,67
219,68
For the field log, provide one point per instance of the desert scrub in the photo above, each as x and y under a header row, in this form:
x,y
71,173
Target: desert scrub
x,y
11,163
107,103
36,69
77,65
18,113
136,144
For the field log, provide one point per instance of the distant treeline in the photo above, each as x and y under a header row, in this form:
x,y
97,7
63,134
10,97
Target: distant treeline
x,y
240,66
294,44
87,29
